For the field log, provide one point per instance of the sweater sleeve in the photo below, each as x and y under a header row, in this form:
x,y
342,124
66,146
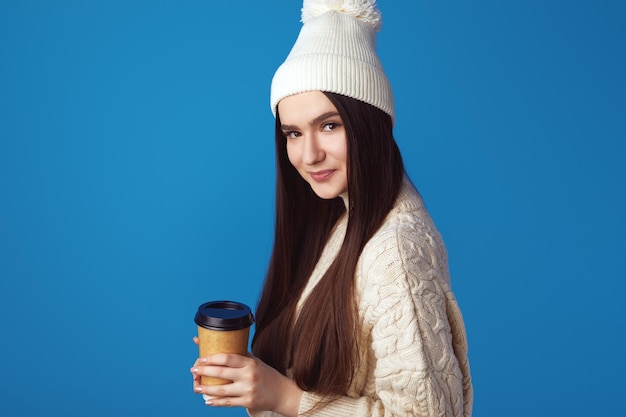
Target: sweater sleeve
x,y
407,304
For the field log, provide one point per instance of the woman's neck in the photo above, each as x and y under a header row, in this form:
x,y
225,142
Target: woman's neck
x,y
346,200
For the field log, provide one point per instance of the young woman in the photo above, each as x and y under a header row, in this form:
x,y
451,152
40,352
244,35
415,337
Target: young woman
x,y
356,317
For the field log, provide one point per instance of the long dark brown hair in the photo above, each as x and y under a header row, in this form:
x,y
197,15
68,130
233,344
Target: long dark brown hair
x,y
320,345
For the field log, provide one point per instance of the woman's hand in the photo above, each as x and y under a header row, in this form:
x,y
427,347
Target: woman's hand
x,y
255,385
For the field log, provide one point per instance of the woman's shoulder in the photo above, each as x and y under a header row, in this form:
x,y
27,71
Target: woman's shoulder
x,y
408,215
407,244
407,230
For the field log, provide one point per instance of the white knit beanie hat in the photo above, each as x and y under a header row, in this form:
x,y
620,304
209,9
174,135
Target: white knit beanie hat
x,y
336,52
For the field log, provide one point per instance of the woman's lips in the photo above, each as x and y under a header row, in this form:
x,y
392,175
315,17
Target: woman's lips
x,y
322,175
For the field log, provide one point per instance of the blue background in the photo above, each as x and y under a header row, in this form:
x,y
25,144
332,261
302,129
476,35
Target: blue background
x,y
137,172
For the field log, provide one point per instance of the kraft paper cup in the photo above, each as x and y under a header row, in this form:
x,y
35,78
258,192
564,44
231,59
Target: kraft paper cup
x,y
223,327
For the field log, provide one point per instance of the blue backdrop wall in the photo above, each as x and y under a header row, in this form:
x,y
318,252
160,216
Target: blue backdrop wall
x,y
137,171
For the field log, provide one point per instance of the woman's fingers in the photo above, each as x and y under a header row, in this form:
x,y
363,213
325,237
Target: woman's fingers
x,y
225,401
235,368
222,372
225,366
230,394
253,383
225,359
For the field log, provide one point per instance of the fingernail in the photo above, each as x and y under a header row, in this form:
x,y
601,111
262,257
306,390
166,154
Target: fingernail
x,y
198,389
194,370
203,360
207,397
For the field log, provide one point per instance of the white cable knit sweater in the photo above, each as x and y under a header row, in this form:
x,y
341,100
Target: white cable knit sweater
x,y
413,346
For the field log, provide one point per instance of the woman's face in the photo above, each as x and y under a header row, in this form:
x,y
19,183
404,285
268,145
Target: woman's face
x,y
316,142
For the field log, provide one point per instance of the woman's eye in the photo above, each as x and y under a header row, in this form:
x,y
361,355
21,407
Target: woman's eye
x,y
291,135
327,127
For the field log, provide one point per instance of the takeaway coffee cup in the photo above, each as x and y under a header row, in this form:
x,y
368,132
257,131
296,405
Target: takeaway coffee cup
x,y
223,327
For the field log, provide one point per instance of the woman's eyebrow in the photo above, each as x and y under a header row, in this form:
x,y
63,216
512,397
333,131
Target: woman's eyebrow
x,y
286,128
323,117
313,122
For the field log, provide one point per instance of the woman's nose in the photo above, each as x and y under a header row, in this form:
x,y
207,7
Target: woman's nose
x,y
313,152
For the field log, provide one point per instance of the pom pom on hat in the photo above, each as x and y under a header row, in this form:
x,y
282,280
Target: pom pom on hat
x,y
336,52
363,10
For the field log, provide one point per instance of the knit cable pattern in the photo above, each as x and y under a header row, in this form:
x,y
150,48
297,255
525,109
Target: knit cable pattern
x,y
413,347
